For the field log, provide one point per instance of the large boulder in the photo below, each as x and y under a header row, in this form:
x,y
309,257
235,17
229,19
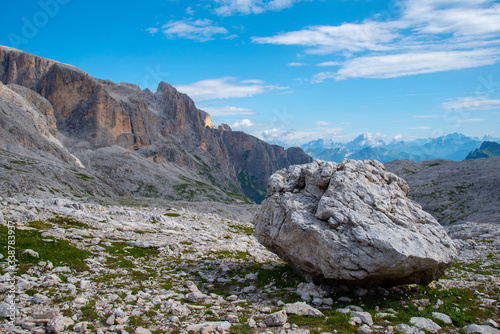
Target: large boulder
x,y
351,223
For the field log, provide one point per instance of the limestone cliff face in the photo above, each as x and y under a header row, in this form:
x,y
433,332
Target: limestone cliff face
x,y
27,121
165,127
256,160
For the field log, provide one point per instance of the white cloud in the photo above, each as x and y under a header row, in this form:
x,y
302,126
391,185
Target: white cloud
x,y
470,120
458,17
200,30
252,81
423,127
466,30
322,123
245,7
224,88
244,123
152,31
190,11
428,116
297,64
471,103
329,63
328,39
228,111
397,65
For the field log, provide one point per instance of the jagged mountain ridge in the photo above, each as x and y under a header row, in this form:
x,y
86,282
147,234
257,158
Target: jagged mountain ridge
x,y
488,149
453,146
149,144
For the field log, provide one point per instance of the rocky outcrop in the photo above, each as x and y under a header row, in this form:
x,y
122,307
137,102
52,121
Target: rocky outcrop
x,y
454,191
89,115
351,223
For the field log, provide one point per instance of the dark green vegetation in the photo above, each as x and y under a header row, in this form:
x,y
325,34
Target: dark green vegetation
x,y
251,187
59,252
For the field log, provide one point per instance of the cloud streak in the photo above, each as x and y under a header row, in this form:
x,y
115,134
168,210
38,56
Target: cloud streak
x,y
471,103
397,65
225,88
246,7
199,30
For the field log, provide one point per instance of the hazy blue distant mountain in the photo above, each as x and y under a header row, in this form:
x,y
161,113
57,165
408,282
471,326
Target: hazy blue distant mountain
x,y
453,146
488,149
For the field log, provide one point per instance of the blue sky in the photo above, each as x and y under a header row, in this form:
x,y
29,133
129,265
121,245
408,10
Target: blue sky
x,y
289,71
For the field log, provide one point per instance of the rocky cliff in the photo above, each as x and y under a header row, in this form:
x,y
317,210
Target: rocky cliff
x,y
256,161
149,144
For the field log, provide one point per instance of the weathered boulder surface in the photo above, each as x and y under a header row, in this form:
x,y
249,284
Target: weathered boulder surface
x,y
351,223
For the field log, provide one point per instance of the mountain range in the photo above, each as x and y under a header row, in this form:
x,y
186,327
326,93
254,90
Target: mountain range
x,y
96,137
454,146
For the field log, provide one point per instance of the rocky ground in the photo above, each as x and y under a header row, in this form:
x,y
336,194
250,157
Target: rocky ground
x,y
149,267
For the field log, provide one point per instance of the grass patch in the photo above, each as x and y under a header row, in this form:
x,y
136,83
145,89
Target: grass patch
x,y
67,222
82,176
39,224
241,229
172,214
59,252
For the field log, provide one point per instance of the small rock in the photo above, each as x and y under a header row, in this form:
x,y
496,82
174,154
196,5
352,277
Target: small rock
x,y
266,309
6,308
173,318
364,330
443,317
80,327
310,290
343,310
422,302
196,297
424,323
328,301
484,329
345,299
251,323
119,313
249,289
302,309
231,318
490,322
232,298
364,316
220,326
31,253
207,329
111,320
355,308
28,325
404,328
141,330
84,284
360,292
48,314
276,319
39,299
59,324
